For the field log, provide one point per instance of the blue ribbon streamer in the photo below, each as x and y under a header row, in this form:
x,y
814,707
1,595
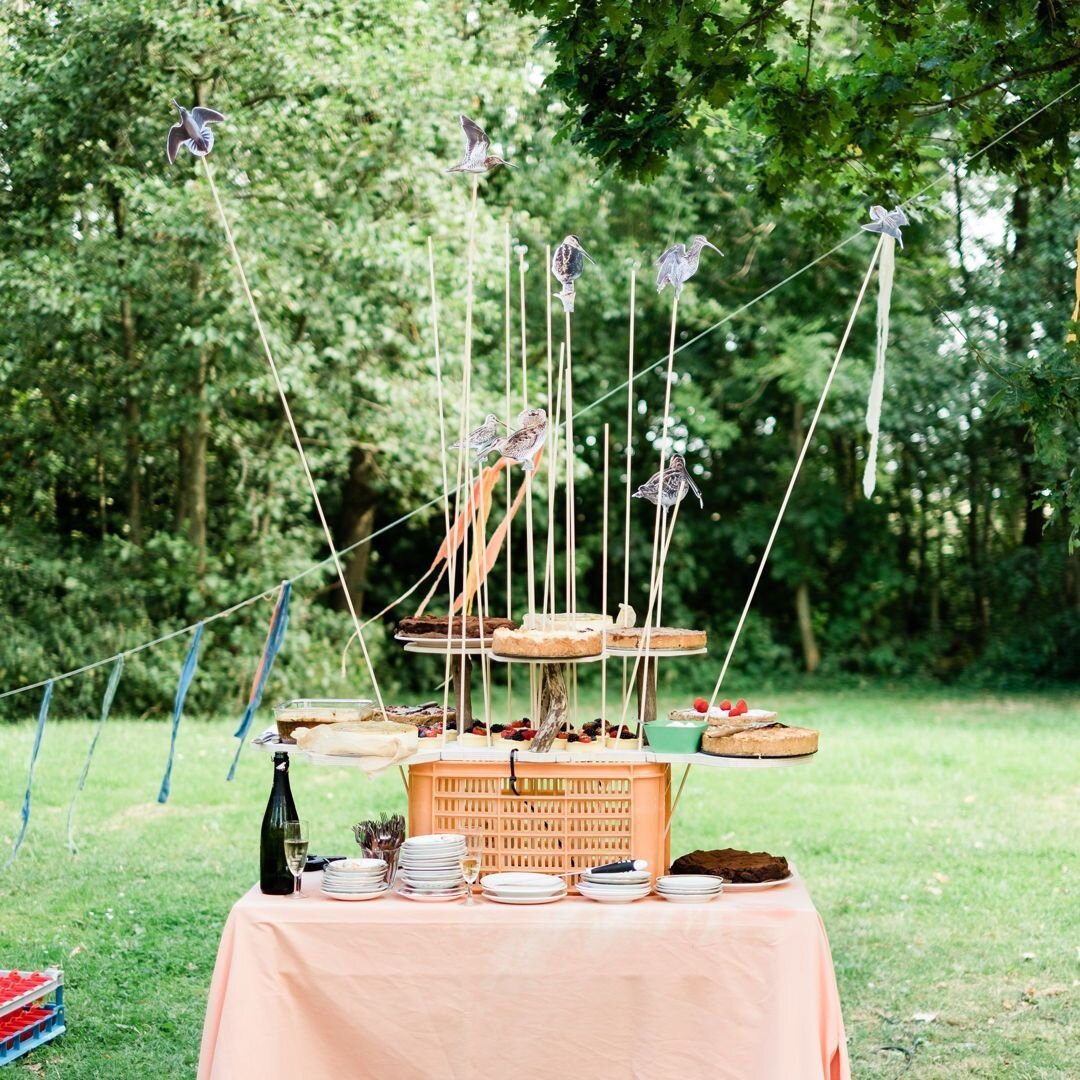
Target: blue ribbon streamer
x,y
187,673
43,713
106,707
274,638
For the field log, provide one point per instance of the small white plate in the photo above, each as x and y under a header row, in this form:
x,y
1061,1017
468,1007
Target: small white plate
x,y
433,898
526,893
354,896
426,840
520,879
624,898
622,877
689,898
499,898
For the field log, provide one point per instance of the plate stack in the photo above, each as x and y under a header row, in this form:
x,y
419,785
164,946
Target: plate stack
x,y
619,888
430,867
689,888
523,888
355,879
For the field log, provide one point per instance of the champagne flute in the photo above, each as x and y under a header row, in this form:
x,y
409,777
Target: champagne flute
x,y
296,848
470,861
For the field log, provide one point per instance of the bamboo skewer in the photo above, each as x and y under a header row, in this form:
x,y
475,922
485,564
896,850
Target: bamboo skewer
x,y
441,392
509,480
571,517
555,427
795,472
604,580
530,569
287,409
629,455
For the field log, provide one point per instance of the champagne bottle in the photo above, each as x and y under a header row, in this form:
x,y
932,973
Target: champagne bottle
x,y
274,875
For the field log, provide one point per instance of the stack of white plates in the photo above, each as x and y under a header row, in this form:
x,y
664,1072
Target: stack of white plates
x,y
689,888
355,879
523,888
623,887
430,867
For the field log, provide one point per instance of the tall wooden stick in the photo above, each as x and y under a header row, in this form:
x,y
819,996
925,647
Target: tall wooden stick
x,y
629,453
441,393
555,425
509,480
795,473
571,450
287,409
604,578
530,570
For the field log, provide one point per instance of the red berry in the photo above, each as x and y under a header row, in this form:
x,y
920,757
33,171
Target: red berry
x,y
725,705
585,738
701,705
740,705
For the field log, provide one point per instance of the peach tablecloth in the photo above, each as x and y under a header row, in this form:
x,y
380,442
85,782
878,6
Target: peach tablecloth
x,y
739,989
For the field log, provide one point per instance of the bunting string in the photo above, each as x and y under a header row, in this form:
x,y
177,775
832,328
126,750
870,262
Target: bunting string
x,y
43,713
187,673
106,708
279,621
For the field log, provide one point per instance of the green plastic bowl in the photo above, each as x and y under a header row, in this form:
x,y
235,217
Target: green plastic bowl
x,y
675,737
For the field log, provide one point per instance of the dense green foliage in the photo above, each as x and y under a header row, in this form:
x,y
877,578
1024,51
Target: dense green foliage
x,y
905,829
147,477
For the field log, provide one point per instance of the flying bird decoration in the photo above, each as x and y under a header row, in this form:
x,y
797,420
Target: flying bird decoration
x,y
888,223
521,445
482,439
567,263
669,487
193,131
476,158
679,264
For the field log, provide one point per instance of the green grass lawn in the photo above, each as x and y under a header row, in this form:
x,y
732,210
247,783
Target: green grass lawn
x,y
938,836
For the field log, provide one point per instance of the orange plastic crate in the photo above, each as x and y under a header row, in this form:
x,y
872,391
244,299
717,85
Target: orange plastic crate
x,y
564,817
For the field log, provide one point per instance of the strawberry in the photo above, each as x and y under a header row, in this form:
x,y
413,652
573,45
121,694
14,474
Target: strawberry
x,y
725,705
701,705
585,738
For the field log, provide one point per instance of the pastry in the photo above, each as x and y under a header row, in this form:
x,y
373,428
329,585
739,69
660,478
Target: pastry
x,y
738,867
725,714
434,626
547,644
310,714
622,738
661,638
762,740
428,715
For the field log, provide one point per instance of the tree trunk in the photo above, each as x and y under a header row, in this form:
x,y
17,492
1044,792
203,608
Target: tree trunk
x,y
811,655
355,522
803,613
132,407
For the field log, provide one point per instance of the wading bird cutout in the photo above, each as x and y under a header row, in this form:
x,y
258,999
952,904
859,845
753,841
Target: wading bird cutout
x,y
567,263
679,263
669,487
476,158
482,439
193,131
521,445
889,222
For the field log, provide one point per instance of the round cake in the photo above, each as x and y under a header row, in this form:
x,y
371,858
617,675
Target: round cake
x,y
731,864
769,740
661,638
315,712
434,626
547,644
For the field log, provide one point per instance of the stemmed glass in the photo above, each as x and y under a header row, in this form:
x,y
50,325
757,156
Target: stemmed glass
x,y
296,848
470,861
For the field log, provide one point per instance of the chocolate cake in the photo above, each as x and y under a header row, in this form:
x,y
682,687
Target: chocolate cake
x,y
435,626
733,865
